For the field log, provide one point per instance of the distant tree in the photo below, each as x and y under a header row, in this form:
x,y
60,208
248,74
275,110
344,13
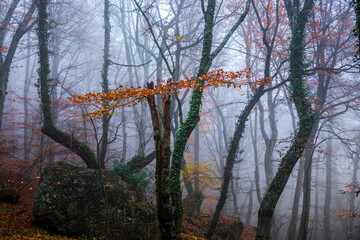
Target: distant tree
x,y
330,54
298,16
6,59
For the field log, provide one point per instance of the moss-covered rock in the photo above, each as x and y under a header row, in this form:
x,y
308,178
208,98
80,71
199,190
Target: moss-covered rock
x,y
75,201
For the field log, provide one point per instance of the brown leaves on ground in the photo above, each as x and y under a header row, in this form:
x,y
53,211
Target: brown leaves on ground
x,y
16,222
198,227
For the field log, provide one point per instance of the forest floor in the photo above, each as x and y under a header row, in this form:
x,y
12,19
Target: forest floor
x,y
16,222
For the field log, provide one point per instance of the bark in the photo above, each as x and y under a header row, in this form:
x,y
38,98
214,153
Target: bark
x,y
269,141
5,64
295,206
26,100
234,197
55,62
102,149
328,190
162,172
124,133
352,236
193,117
315,226
298,19
141,162
68,141
256,158
250,207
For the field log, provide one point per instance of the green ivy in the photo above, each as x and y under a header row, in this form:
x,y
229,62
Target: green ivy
x,y
138,178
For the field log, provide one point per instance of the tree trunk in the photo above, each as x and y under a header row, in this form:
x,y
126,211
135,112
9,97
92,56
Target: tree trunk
x,y
315,227
105,87
230,158
296,201
163,154
5,64
295,207
256,158
193,117
305,215
328,190
55,62
298,21
124,133
250,207
26,100
68,141
352,234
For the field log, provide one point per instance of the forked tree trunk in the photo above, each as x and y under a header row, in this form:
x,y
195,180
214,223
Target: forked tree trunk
x,y
193,117
298,19
67,140
162,135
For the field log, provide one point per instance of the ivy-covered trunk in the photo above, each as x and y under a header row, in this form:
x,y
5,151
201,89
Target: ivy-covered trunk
x,y
192,119
298,19
49,129
186,128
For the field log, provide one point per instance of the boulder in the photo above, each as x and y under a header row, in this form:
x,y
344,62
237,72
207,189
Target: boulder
x,y
76,201
8,194
230,232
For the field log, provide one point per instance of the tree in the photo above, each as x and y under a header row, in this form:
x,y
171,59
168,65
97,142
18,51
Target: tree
x,y
193,118
104,141
49,129
5,61
329,53
297,18
188,125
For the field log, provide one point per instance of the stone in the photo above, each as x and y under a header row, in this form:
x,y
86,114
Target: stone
x,y
75,201
8,194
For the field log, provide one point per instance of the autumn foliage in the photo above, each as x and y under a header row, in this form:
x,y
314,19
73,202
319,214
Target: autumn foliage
x,y
130,96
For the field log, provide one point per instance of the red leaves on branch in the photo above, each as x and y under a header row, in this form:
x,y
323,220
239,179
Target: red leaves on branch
x,y
130,96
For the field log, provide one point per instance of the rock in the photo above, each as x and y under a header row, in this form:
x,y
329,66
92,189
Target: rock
x,y
236,230
232,232
8,194
192,204
76,201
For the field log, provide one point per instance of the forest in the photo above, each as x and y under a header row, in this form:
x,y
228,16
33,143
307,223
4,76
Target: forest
x,y
180,119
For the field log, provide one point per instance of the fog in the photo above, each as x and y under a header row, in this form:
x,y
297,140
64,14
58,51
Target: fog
x,y
164,40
